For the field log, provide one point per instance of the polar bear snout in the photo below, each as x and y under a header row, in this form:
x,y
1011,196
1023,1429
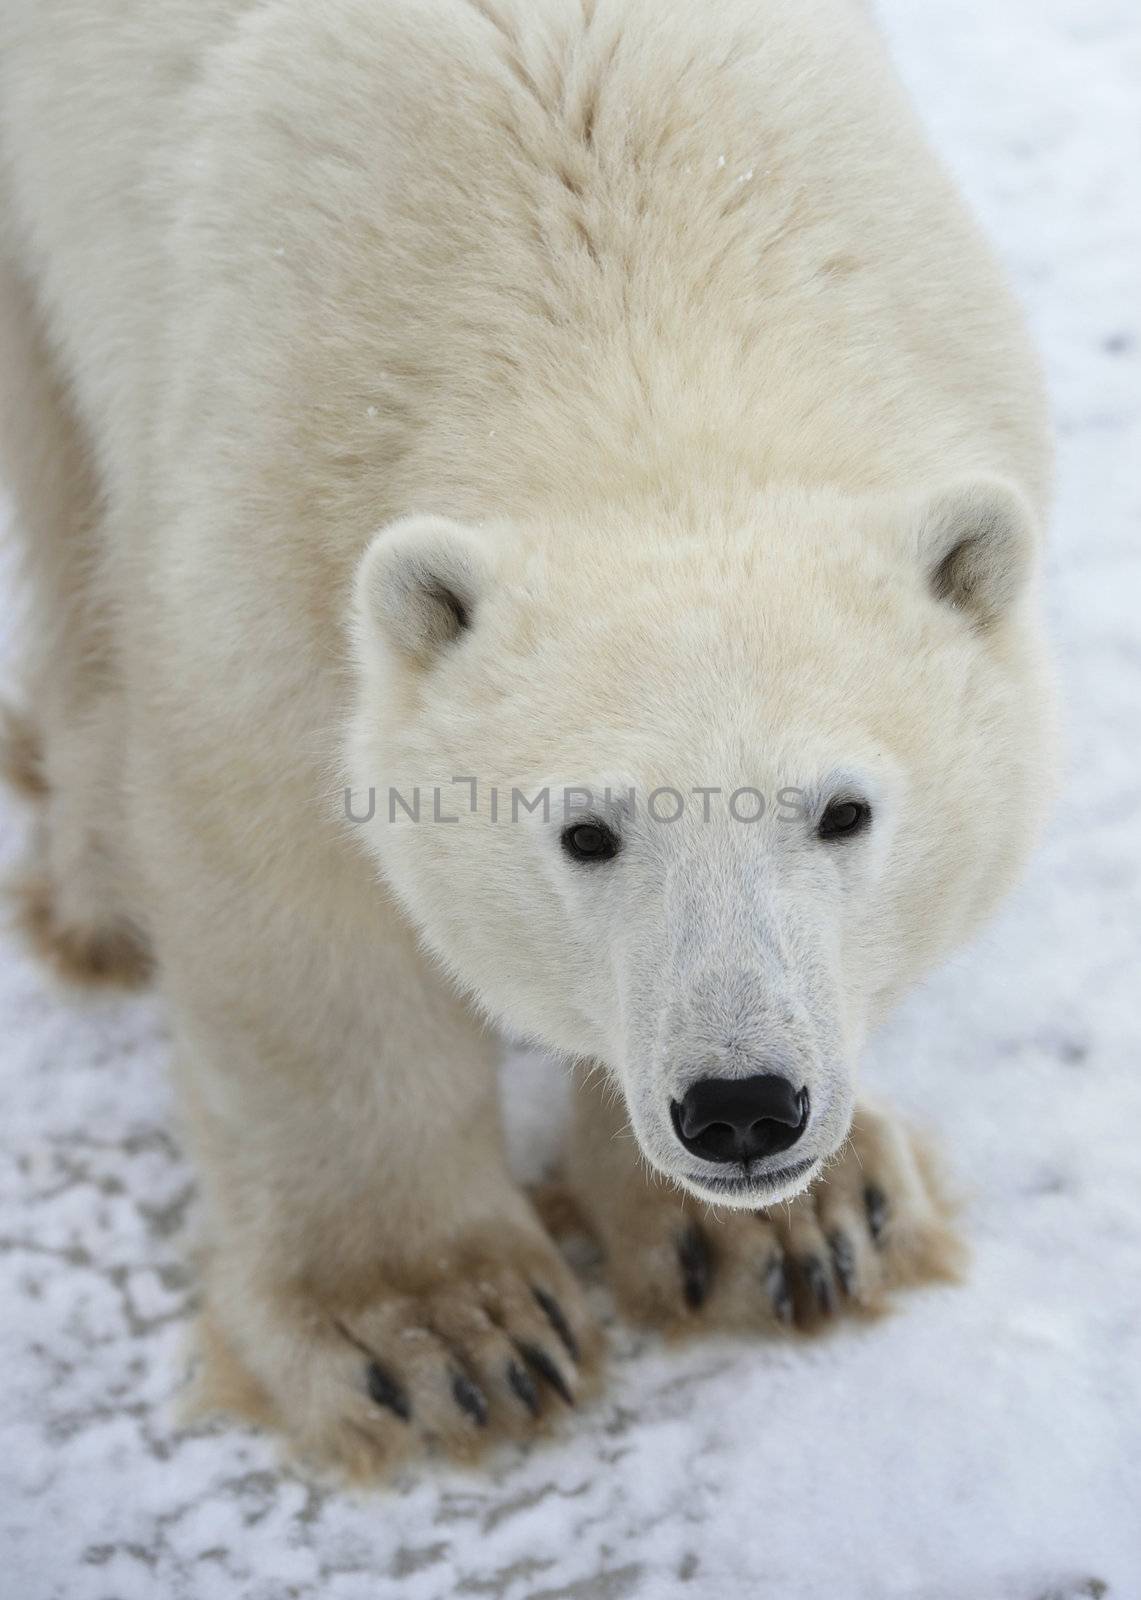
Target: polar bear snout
x,y
740,1119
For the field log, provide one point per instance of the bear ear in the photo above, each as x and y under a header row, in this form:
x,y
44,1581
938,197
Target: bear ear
x,y
419,584
977,542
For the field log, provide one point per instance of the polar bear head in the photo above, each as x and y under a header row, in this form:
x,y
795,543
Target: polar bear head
x,y
701,806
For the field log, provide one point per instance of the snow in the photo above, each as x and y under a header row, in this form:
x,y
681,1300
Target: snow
x,y
983,1444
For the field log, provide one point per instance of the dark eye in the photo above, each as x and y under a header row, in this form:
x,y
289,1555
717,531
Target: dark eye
x,y
843,818
590,841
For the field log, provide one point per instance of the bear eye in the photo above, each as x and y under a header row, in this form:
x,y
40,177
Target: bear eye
x,y
590,841
843,818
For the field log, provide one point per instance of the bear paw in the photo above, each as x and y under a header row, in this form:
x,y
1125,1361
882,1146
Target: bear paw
x,y
112,952
492,1343
876,1220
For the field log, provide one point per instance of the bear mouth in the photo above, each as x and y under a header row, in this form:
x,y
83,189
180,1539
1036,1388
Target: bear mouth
x,y
757,1186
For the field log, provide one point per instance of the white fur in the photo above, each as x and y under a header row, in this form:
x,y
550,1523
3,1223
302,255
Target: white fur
x,y
794,646
671,311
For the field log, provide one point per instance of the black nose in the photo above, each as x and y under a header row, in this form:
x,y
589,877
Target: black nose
x,y
740,1119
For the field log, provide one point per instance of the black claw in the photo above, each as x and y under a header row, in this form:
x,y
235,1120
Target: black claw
x,y
470,1398
554,1314
539,1361
843,1260
696,1266
779,1289
875,1204
519,1381
819,1281
387,1391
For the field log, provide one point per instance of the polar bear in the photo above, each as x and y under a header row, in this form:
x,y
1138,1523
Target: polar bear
x,y
533,509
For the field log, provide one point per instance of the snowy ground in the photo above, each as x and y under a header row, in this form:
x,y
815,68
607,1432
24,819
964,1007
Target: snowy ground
x,y
983,1445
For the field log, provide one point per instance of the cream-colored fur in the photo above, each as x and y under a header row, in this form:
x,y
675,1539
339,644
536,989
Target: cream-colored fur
x,y
545,393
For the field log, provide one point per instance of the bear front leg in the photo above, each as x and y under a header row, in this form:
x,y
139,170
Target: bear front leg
x,y
376,1283
876,1220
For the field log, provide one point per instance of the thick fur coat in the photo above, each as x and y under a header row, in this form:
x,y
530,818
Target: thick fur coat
x,y
552,395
